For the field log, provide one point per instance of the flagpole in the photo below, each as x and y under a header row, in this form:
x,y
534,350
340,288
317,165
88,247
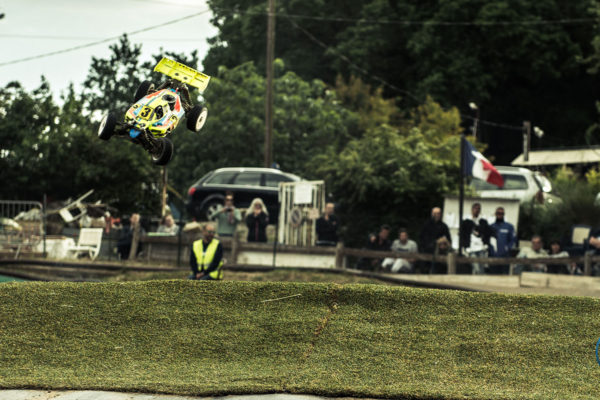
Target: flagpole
x,y
461,196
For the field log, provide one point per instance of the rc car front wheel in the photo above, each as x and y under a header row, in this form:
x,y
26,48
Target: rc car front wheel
x,y
107,126
164,153
196,118
142,90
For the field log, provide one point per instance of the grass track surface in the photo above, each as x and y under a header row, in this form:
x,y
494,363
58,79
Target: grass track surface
x,y
213,338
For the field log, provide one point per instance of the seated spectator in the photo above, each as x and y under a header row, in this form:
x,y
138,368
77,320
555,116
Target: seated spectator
x,y
257,219
168,226
327,226
377,242
557,252
535,251
402,244
126,237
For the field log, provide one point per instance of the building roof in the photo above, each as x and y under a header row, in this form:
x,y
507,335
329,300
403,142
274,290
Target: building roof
x,y
560,157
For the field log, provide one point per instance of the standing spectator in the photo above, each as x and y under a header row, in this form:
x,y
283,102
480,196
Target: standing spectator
x,y
227,216
535,251
474,240
206,257
435,233
126,237
402,244
168,226
327,227
504,232
257,219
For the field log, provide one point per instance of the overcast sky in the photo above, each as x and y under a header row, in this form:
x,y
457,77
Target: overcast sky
x,y
32,28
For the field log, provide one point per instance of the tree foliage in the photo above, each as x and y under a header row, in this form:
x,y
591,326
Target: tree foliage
x,y
518,60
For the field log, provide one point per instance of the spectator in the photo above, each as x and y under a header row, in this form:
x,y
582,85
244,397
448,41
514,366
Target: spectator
x,y
206,257
168,226
434,235
557,252
402,244
227,216
535,251
474,240
377,242
327,226
504,232
257,219
126,237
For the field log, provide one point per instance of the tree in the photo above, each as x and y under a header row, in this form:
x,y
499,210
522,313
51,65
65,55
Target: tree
x,y
517,60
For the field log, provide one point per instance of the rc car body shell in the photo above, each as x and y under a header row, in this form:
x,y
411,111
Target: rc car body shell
x,y
158,113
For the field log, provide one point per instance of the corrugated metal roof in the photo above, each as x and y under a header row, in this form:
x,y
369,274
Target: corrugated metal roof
x,y
559,157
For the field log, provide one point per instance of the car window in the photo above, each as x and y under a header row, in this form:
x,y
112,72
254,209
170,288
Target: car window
x,y
479,185
247,179
514,182
272,180
221,178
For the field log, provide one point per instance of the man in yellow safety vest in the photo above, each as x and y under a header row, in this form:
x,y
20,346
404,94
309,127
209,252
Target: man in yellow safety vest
x,y
206,257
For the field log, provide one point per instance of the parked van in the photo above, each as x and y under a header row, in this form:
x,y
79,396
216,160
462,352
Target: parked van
x,y
519,183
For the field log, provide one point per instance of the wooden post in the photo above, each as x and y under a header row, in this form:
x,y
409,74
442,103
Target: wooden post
x,y
451,261
235,243
269,95
339,255
134,242
587,264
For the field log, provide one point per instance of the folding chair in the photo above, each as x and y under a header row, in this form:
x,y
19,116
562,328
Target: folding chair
x,y
89,242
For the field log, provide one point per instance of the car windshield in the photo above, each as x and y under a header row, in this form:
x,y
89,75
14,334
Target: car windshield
x,y
511,182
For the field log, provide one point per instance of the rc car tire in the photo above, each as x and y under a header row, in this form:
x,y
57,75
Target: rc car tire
x,y
142,90
107,126
196,118
165,153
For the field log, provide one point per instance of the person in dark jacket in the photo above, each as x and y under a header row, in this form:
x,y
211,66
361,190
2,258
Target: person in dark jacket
x,y
434,234
327,226
257,219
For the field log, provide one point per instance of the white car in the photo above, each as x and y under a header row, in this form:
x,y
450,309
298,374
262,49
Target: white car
x,y
519,183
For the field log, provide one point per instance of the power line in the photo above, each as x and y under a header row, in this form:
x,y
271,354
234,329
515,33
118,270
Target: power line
x,y
561,21
83,46
50,37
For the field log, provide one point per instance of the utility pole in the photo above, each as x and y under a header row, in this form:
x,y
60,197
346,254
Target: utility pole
x,y
526,139
269,95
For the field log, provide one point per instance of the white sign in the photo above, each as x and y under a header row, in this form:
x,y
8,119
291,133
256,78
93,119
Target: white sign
x,y
303,193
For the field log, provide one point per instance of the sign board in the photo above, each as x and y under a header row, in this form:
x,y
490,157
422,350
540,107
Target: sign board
x,y
303,193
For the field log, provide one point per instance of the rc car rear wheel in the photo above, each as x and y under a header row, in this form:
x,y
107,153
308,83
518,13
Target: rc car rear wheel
x,y
145,88
196,118
107,126
165,152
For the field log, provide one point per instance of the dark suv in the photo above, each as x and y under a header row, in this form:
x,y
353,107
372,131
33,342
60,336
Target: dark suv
x,y
245,183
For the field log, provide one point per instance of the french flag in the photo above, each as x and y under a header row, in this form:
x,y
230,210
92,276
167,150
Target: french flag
x,y
477,166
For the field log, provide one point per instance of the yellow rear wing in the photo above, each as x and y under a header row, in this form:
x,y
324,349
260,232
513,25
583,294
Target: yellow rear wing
x,y
183,73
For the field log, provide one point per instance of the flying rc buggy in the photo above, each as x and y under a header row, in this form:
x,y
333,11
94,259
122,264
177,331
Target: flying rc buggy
x,y
158,110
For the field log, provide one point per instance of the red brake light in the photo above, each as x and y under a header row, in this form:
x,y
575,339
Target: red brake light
x,y
191,191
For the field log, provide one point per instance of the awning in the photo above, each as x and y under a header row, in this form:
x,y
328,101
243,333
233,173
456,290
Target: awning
x,y
559,157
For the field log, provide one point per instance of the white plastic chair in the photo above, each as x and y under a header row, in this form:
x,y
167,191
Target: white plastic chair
x,y
89,242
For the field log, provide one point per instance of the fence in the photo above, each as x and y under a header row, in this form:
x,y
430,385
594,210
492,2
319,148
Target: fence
x,y
301,204
31,230
168,249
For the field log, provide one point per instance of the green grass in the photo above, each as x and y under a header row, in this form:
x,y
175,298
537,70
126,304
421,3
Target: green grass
x,y
217,338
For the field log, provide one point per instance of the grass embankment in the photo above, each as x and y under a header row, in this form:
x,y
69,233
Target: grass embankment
x,y
248,337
